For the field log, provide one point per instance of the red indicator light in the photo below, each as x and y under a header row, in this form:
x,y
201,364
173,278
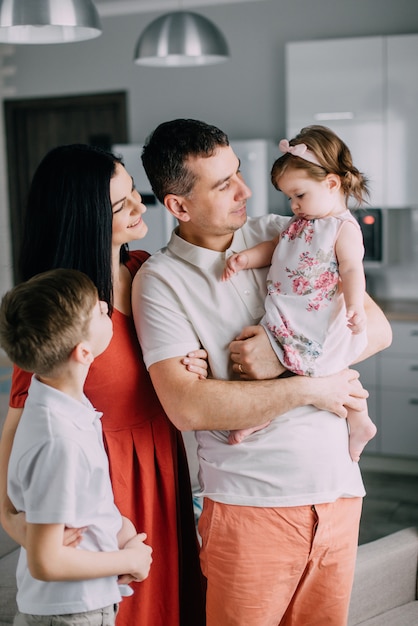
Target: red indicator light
x,y
368,220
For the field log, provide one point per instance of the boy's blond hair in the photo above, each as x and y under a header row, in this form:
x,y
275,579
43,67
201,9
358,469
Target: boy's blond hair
x,y
44,318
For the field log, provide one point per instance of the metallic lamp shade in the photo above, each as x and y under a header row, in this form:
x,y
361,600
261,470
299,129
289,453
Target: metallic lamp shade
x,y
181,39
48,21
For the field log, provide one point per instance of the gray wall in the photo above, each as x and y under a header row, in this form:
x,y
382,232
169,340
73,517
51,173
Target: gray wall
x,y
244,96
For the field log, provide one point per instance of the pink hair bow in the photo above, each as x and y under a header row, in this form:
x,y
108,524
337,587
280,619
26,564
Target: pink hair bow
x,y
300,150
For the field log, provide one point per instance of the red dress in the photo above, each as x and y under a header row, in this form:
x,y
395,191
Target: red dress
x,y
149,476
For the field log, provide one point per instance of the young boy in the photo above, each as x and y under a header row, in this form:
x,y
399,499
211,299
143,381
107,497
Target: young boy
x,y
55,325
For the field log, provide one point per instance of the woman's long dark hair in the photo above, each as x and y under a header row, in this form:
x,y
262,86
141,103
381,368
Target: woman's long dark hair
x,y
68,221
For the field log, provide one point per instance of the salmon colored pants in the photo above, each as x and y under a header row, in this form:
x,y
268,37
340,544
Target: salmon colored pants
x,y
287,566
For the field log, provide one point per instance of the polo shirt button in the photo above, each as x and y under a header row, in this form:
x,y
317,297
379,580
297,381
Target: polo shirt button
x,y
247,292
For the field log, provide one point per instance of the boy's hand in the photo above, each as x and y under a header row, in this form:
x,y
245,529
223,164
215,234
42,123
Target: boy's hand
x,y
73,536
197,362
141,559
234,264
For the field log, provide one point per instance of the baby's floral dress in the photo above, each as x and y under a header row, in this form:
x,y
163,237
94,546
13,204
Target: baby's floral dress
x,y
305,310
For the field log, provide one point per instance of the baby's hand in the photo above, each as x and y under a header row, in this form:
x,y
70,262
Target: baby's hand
x,y
356,320
142,558
235,263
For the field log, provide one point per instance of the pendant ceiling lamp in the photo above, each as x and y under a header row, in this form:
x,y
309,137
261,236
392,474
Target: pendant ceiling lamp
x,y
181,39
48,21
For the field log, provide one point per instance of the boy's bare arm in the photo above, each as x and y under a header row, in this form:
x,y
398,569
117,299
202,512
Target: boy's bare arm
x,y
50,560
126,533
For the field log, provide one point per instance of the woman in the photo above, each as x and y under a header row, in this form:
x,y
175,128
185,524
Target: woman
x,y
82,210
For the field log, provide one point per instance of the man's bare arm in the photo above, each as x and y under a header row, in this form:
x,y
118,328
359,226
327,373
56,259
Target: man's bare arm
x,y
213,404
252,349
379,331
195,404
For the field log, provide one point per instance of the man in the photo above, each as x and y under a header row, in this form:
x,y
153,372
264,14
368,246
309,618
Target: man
x,y
281,511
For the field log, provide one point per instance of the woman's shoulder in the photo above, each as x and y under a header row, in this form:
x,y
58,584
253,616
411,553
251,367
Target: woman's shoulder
x,y
136,259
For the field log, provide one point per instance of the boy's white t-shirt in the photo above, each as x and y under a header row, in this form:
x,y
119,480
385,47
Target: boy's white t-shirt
x,y
180,303
59,474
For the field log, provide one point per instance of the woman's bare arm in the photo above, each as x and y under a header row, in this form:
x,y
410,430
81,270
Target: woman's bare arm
x,y
14,523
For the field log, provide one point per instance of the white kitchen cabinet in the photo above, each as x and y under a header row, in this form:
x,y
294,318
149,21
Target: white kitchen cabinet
x,y
402,120
365,89
340,83
335,79
391,378
399,392
369,376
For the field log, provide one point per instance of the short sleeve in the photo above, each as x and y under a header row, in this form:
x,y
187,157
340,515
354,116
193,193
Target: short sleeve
x,y
20,385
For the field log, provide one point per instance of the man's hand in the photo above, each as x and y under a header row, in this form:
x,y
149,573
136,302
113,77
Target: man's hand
x,y
336,392
253,356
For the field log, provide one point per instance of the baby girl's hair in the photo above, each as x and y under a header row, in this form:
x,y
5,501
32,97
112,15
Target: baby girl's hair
x,y
333,157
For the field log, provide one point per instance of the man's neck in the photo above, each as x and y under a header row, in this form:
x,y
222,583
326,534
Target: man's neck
x,y
218,243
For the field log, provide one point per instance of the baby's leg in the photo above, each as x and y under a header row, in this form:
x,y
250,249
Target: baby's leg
x,y
237,436
362,430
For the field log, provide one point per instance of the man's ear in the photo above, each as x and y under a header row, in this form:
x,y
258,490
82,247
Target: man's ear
x,y
82,354
175,204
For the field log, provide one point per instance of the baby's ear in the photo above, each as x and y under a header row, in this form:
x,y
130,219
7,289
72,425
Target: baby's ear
x,y
82,353
334,182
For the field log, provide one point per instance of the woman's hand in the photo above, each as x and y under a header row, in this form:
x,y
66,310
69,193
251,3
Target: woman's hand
x,y
253,356
14,524
196,362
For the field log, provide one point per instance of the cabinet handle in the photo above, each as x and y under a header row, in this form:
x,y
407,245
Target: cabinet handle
x,y
413,401
414,368
414,333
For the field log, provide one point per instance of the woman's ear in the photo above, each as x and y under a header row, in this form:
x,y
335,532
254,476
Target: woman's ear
x,y
176,205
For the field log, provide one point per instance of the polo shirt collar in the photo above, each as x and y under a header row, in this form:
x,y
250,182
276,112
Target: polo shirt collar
x,y
81,414
203,257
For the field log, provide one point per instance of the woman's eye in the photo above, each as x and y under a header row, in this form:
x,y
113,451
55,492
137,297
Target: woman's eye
x,y
119,209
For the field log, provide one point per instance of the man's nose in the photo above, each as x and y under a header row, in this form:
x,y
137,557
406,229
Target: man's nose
x,y
244,190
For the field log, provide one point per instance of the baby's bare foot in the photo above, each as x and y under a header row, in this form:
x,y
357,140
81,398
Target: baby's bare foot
x,y
238,436
359,437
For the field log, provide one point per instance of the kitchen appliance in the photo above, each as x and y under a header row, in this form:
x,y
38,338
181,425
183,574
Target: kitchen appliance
x,y
383,230
371,224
